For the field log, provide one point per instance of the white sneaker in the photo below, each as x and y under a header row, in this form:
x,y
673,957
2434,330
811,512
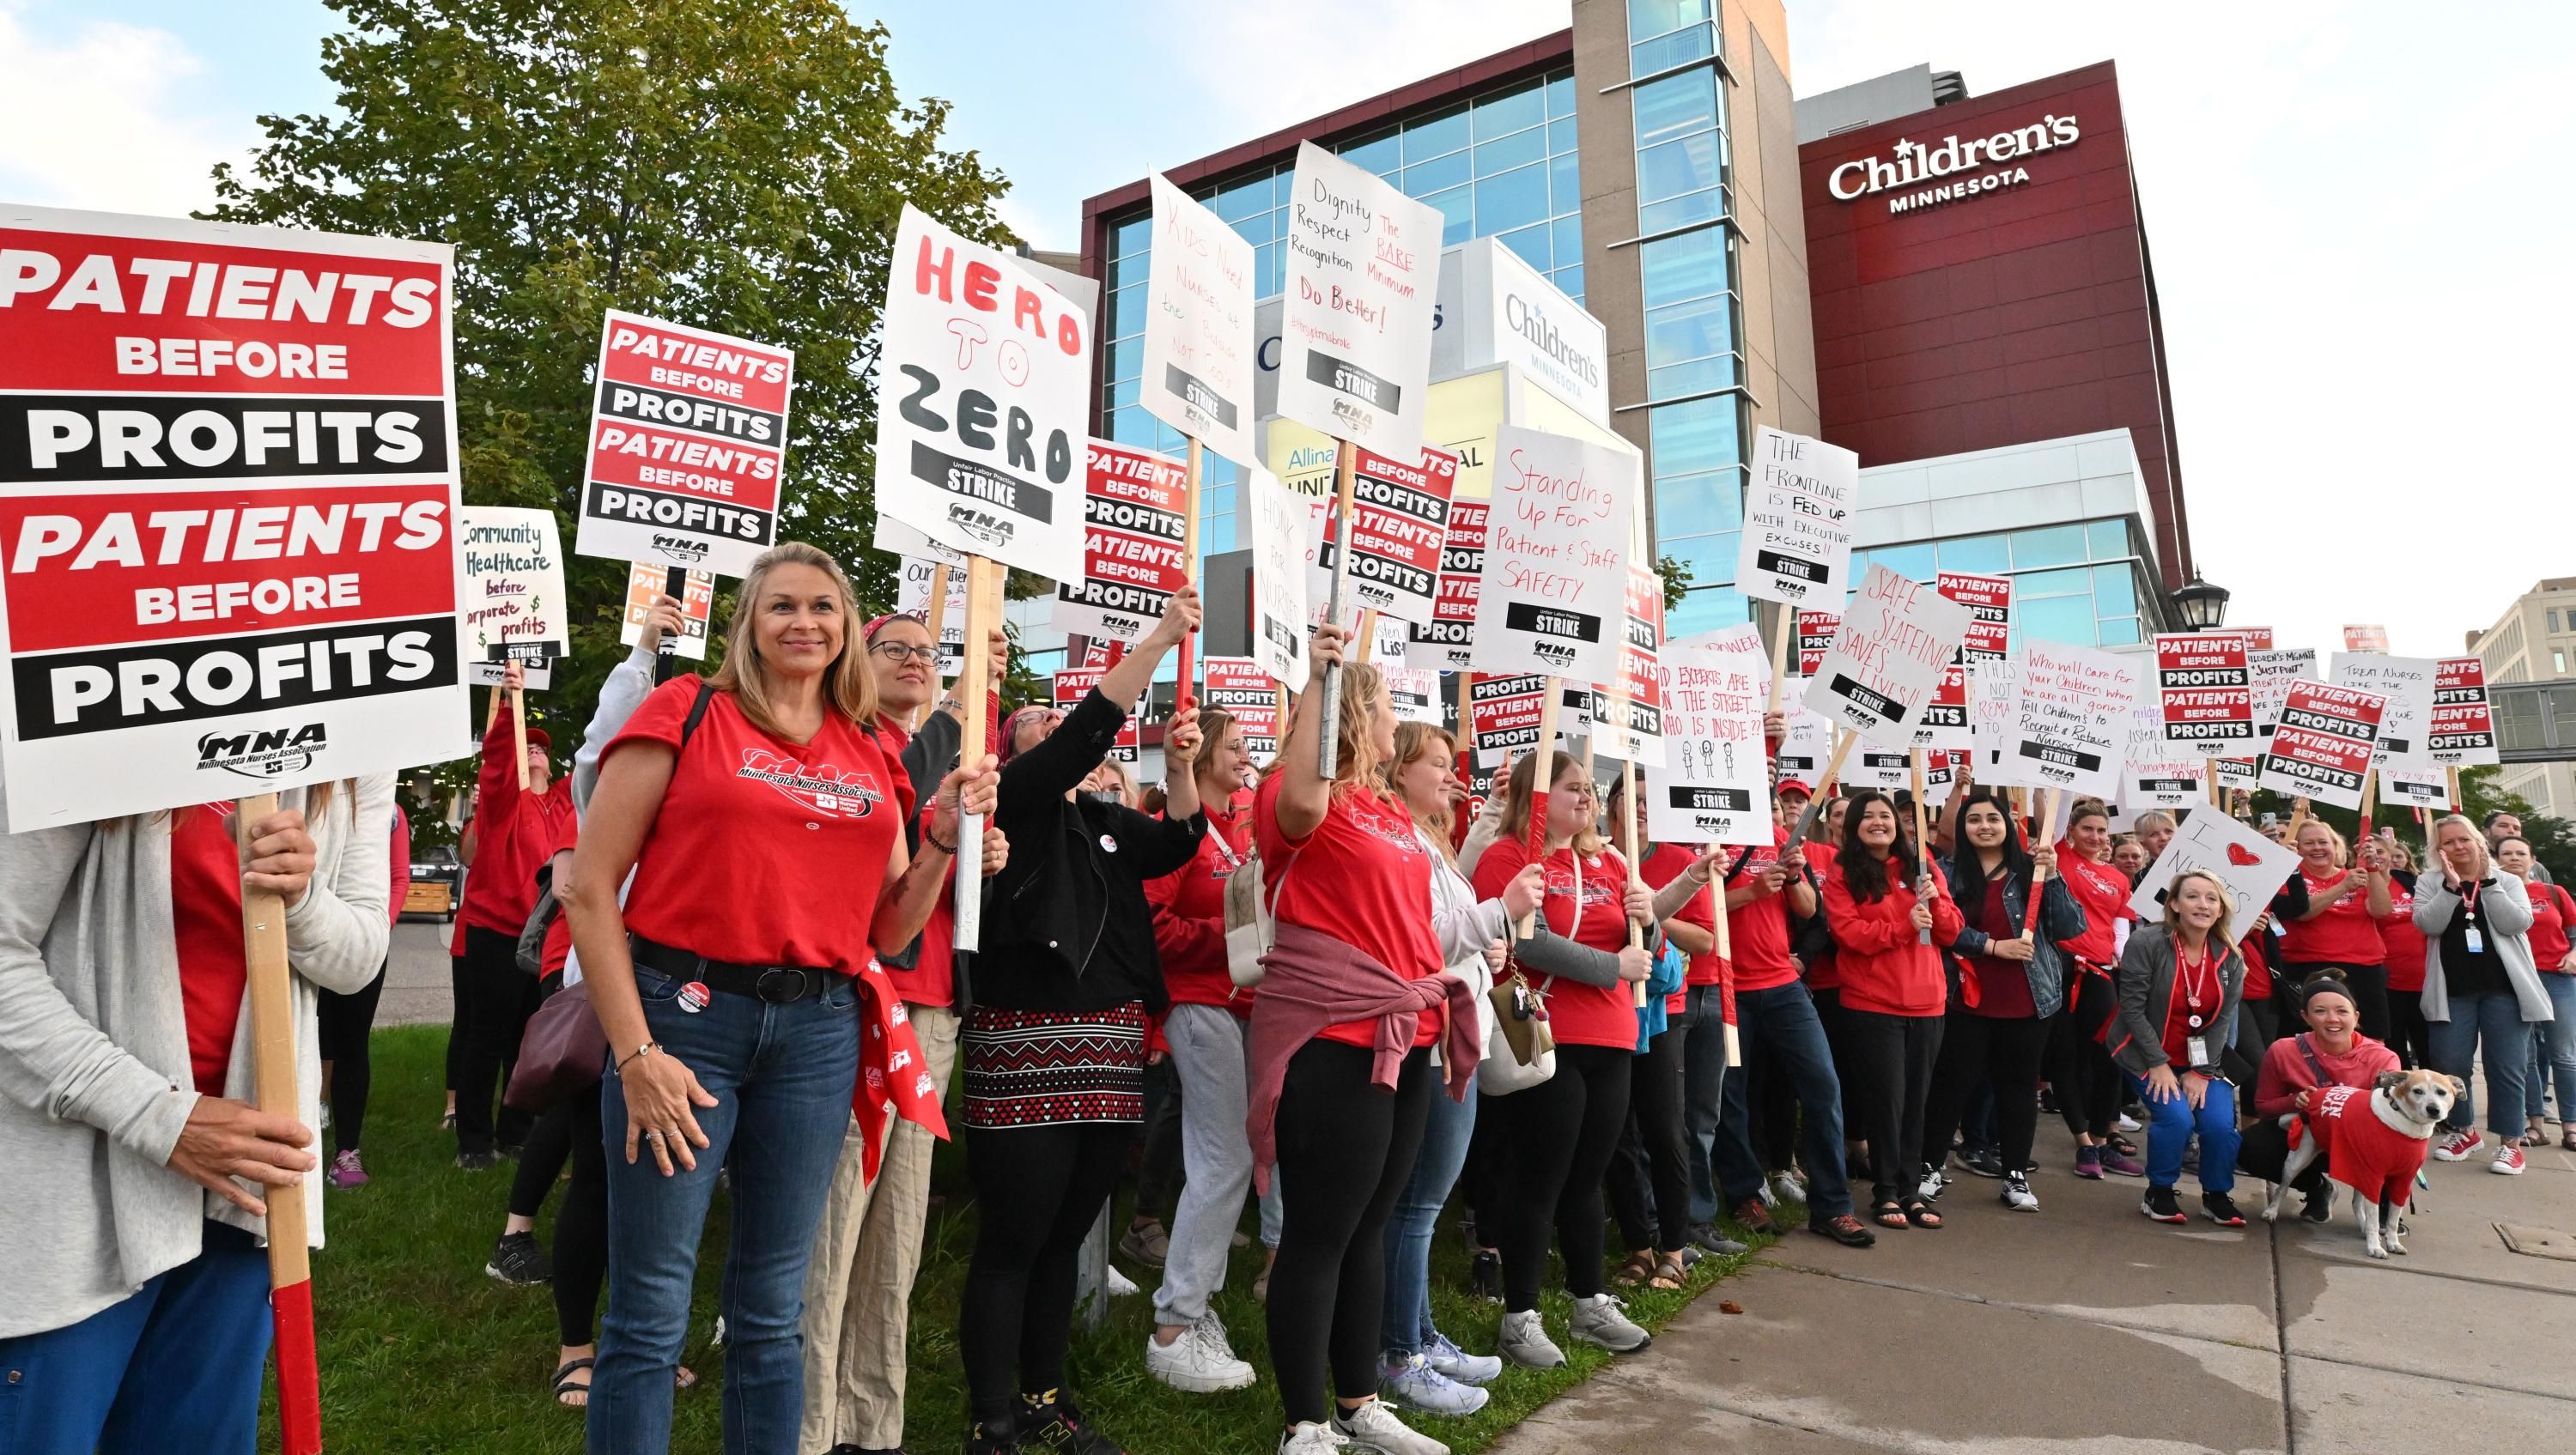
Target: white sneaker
x,y
1457,1363
1769,1197
1314,1439
1785,1187
2017,1194
1120,1285
1524,1342
1933,1185
2458,1145
1200,1361
2127,1123
1374,1426
1600,1321
1414,1384
2508,1161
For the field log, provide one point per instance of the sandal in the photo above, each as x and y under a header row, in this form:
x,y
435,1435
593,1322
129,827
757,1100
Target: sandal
x,y
1889,1214
564,1387
1920,1214
1670,1275
2121,1145
1639,1267
2567,1135
687,1378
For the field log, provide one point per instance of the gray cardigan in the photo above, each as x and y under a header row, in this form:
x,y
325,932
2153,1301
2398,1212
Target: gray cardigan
x,y
2506,908
95,1084
2136,1038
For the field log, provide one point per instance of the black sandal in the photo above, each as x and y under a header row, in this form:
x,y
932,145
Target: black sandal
x,y
1889,1214
1920,1214
563,1383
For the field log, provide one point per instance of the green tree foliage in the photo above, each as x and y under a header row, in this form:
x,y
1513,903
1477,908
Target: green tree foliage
x,y
737,165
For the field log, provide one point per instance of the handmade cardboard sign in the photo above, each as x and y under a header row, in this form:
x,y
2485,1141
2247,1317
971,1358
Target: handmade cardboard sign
x,y
1994,699
1363,283
1556,557
2159,773
1415,693
919,574
2273,671
1808,745
2204,693
1798,513
2321,747
1887,657
1441,643
1250,697
2071,720
2250,866
229,512
2411,686
2463,731
1198,368
1278,521
1714,786
514,585
1134,508
688,446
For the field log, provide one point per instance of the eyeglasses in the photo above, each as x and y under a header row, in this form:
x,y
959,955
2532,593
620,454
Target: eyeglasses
x,y
901,652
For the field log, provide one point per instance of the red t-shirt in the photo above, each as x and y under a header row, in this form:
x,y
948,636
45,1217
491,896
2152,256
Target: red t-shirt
x,y
2258,972
1758,929
513,833
2346,934
1660,868
1363,877
1578,1014
2202,978
2363,1152
2003,986
2551,915
1189,918
2104,892
2403,942
763,851
206,921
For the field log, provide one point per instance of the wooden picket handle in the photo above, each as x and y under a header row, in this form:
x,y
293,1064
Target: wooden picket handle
x,y
1627,819
492,708
982,574
272,1031
938,620
1788,628
1346,459
1843,743
2047,838
519,732
1367,648
1184,689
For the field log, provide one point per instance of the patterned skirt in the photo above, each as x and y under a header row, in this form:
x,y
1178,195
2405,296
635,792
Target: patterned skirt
x,y
1043,1068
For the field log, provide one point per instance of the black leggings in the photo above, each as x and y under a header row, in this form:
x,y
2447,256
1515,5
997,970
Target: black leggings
x,y
1985,1049
499,998
1837,1027
2409,1035
1346,1150
1158,1167
2088,1085
1770,1104
2369,992
346,1020
581,1221
1653,1159
1038,1190
548,1145
457,997
1562,1132
1893,1056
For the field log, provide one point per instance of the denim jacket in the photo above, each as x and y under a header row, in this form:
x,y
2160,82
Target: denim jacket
x,y
2060,918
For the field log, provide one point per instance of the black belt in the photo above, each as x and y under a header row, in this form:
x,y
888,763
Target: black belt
x,y
775,984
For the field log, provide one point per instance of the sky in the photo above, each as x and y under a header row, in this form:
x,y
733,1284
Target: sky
x,y
2358,213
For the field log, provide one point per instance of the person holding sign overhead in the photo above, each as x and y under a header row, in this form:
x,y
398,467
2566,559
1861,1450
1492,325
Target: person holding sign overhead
x,y
2179,983
138,1313
763,825
2340,929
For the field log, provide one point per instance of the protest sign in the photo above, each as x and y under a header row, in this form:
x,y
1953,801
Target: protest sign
x,y
1815,637
1198,367
1945,716
1807,745
984,403
514,587
228,511
2251,867
1713,786
1989,603
1941,774
1362,287
2257,638
1133,506
2410,685
1631,709
1877,768
2398,789
1278,528
2156,772
2463,730
1075,683
918,576
1415,693
1399,524
2322,745
1994,697
2071,719
1887,657
2365,639
1504,713
688,446
1250,697
647,583
2235,775
1441,643
2273,672
2204,693
1798,510
1556,557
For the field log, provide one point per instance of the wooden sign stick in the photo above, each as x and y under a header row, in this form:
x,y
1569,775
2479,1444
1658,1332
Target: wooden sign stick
x,y
2047,837
981,573
1346,459
1788,627
1922,837
1628,834
1184,690
1368,636
938,622
519,732
272,1031
1843,743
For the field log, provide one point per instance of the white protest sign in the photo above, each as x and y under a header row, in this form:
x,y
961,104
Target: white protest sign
x,y
2463,731
2071,719
1994,696
2321,748
2273,672
1277,529
1198,325
1887,657
2405,726
1713,786
2156,772
514,584
1503,715
2397,790
647,583
1879,769
1808,744
1362,288
1415,692
913,585
984,403
1554,598
1798,513
2252,867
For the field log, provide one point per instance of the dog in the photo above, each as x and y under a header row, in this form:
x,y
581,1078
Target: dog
x,y
2378,1155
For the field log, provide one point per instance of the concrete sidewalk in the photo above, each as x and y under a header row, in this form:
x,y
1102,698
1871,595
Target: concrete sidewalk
x,y
416,988
2085,1323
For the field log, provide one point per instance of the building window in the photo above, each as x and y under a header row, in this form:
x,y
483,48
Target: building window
x,y
2557,662
2553,618
1663,34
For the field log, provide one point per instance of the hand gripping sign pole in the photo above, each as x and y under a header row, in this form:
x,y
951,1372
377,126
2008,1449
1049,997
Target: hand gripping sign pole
x,y
1346,457
666,659
1628,838
272,1031
2047,836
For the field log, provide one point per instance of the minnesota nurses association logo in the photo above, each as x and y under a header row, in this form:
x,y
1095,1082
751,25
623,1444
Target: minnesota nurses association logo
x,y
819,788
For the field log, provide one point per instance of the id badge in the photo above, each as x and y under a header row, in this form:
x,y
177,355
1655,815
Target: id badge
x,y
2475,940
2196,1050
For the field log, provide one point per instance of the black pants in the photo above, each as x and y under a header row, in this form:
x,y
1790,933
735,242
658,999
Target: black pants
x,y
1562,1133
2409,1035
1346,1150
456,1000
2004,1054
1829,1014
1770,1104
499,998
1894,1056
1038,1190
2369,992
1158,1171
2088,1085
581,1221
1650,1174
346,1020
1481,1181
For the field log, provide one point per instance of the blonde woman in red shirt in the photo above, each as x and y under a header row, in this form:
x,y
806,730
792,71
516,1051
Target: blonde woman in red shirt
x,y
1881,897
2340,930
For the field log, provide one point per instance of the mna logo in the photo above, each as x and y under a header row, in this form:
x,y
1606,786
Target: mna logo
x,y
268,753
681,548
983,525
1557,652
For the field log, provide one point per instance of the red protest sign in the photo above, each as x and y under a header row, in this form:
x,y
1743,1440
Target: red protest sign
x,y
1250,696
1989,603
1945,717
2365,639
228,512
1399,523
1441,643
1074,684
2321,748
2463,731
1504,711
2257,638
1630,727
688,443
2205,691
1815,636
1134,512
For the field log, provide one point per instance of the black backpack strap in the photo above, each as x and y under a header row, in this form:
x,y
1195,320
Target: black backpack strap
x,y
1735,869
2314,1066
697,709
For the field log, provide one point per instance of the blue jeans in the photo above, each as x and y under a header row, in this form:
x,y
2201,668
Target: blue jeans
x,y
2496,1018
176,1366
2172,1124
1406,1324
2553,1045
1782,1022
781,1076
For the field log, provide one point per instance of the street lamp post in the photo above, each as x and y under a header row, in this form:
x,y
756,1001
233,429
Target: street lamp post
x,y
2202,606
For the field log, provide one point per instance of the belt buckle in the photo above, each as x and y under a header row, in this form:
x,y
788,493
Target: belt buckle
x,y
777,975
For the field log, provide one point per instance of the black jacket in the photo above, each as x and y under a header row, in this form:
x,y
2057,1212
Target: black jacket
x,y
1066,926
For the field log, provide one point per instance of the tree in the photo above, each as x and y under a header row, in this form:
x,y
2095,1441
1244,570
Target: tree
x,y
738,165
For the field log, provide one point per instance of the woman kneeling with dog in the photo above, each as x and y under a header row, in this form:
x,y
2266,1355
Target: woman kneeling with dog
x,y
2331,1052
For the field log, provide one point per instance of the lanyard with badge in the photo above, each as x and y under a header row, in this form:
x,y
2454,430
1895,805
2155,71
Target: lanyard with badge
x,y
2194,992
2472,939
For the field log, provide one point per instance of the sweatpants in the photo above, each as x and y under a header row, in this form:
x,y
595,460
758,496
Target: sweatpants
x,y
1893,1057
1561,1133
1207,1059
2002,1053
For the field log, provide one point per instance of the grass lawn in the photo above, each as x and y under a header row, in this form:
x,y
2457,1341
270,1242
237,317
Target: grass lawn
x,y
423,1353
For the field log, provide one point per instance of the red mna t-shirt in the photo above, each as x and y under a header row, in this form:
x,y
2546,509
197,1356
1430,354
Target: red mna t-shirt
x,y
763,851
1189,918
2344,935
1578,1014
2403,942
1758,929
1363,877
2549,927
206,922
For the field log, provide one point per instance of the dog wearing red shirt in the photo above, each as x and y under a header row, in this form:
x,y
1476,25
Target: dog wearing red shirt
x,y
2377,1155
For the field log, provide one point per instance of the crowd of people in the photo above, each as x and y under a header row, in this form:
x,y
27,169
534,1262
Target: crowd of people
x,y
719,956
